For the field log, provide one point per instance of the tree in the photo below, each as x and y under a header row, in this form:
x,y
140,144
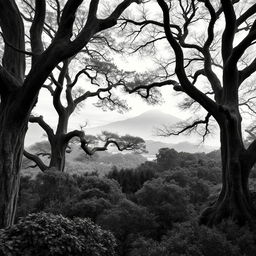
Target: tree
x,y
19,92
231,27
93,68
126,221
166,200
167,158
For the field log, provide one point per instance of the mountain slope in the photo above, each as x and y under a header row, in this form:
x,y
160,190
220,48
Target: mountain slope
x,y
144,125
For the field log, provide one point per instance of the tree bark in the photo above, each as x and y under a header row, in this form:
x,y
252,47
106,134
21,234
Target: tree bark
x,y
58,143
12,135
58,154
234,201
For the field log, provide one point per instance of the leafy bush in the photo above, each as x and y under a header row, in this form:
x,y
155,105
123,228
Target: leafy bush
x,y
126,221
165,200
96,195
240,236
54,190
46,234
187,239
71,196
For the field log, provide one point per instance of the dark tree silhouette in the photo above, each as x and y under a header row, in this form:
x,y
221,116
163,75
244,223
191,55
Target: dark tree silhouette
x,y
93,68
60,138
217,54
19,92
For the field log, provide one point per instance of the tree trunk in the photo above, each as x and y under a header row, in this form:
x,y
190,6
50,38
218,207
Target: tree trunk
x,y
234,200
12,134
58,154
58,143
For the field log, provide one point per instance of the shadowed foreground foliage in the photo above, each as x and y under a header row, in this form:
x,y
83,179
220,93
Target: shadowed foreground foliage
x,y
151,210
46,234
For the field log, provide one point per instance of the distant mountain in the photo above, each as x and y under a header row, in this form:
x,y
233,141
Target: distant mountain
x,y
154,146
143,125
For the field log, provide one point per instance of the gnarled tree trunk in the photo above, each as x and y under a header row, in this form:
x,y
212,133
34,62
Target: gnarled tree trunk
x,y
58,154
234,201
11,151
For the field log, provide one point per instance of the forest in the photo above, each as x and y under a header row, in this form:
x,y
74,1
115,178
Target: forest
x,y
76,193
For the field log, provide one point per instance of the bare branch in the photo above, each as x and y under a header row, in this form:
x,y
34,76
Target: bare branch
x,y
166,131
36,160
122,143
39,120
191,90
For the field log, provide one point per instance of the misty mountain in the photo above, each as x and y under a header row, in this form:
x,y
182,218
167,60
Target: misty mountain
x,y
154,146
144,125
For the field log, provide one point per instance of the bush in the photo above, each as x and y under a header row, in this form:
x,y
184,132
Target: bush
x,y
165,200
45,234
244,237
187,239
127,221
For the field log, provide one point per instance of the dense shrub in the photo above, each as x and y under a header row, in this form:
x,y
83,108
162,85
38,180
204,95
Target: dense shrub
x,y
165,200
187,239
96,195
126,221
54,189
199,191
240,236
46,234
71,196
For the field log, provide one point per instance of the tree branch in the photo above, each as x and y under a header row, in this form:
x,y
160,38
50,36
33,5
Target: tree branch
x,y
167,132
37,160
122,143
40,121
247,14
37,28
191,90
230,29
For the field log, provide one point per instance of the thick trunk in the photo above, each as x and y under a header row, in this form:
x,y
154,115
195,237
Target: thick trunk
x,y
58,144
11,152
234,200
58,155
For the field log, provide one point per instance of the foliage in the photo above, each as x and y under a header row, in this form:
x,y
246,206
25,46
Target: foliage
x,y
96,195
46,234
154,221
72,196
103,162
167,158
131,180
244,237
166,200
187,239
54,190
126,221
